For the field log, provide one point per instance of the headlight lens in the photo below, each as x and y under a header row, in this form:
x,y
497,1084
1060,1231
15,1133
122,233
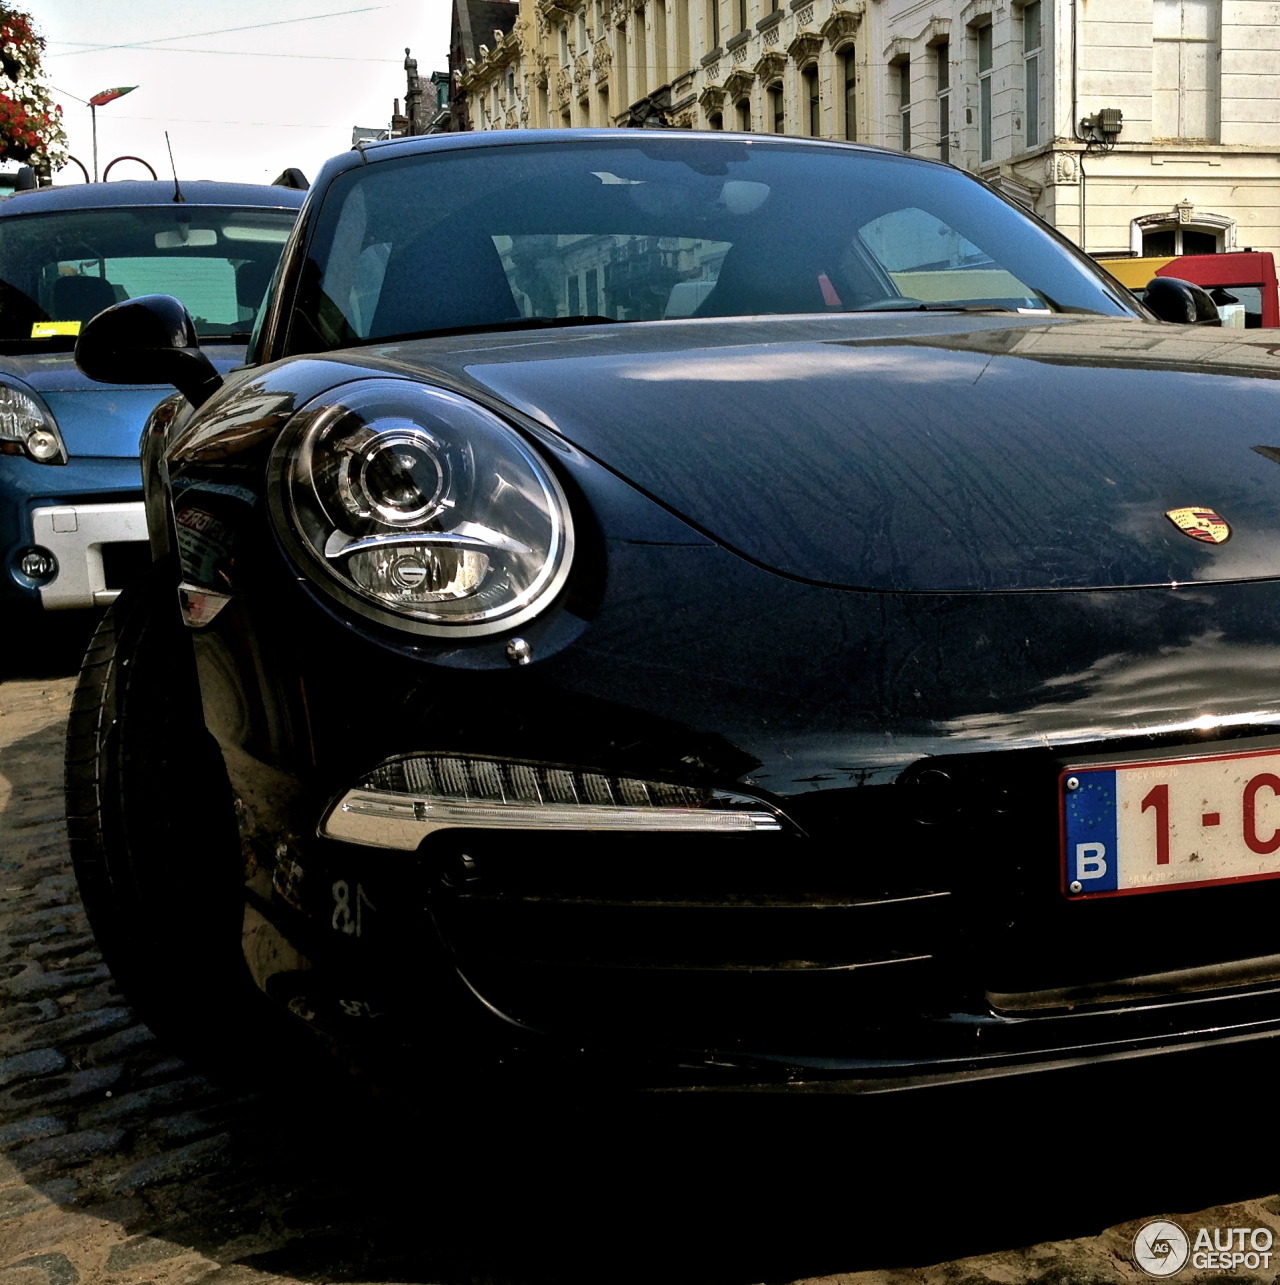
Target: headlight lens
x,y
421,509
27,427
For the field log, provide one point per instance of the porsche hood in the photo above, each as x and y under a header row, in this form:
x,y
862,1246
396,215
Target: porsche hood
x,y
929,453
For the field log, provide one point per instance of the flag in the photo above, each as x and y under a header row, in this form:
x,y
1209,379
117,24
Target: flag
x,y
110,95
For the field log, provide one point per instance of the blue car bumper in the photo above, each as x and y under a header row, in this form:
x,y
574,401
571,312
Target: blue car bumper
x,y
86,514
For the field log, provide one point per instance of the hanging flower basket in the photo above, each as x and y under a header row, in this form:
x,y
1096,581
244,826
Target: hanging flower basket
x,y
30,123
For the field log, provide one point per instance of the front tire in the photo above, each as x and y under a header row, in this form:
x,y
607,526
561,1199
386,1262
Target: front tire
x,y
153,834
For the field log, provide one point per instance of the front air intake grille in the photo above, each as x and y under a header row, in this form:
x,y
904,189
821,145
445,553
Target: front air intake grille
x,y
461,779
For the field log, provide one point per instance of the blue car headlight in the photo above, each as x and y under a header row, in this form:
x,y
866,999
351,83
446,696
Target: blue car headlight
x,y
420,509
27,427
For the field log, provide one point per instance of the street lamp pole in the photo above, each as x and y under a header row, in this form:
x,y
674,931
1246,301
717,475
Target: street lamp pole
x,y
101,100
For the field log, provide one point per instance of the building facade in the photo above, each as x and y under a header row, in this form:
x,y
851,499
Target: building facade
x,y
1131,125
768,65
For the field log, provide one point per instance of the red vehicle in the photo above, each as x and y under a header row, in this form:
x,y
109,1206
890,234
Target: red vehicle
x,y
1242,282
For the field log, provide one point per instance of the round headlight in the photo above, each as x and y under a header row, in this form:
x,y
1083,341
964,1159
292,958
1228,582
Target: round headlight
x,y
420,509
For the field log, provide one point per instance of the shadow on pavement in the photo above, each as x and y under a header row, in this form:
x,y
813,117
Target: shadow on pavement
x,y
37,644
118,1157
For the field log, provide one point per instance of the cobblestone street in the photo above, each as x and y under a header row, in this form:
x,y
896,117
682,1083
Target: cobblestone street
x,y
122,1164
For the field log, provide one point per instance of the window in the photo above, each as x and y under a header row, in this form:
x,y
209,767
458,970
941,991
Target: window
x,y
744,115
563,32
620,65
813,98
603,99
743,20
58,270
942,56
683,63
660,43
582,31
849,70
713,22
776,112
1186,81
1031,43
716,120
639,54
985,150
464,239
928,259
1162,242
566,119
904,105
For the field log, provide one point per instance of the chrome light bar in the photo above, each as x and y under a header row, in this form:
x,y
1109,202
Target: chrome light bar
x,y
403,801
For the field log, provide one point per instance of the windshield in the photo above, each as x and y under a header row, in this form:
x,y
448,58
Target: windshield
x,y
58,270
661,227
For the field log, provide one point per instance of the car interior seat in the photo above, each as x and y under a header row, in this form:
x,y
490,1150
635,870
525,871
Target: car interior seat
x,y
444,280
81,298
760,277
252,278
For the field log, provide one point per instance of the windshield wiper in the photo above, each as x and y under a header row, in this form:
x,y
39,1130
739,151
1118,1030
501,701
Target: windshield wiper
x,y
492,327
893,306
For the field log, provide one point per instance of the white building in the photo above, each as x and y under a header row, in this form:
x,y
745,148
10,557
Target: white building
x,y
1182,152
1003,88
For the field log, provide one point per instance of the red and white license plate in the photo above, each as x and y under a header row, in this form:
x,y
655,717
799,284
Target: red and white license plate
x,y
1148,825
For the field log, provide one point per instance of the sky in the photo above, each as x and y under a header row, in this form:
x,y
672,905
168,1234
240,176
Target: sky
x,y
245,88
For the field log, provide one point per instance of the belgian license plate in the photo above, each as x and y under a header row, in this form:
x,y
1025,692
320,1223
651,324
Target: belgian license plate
x,y
1149,825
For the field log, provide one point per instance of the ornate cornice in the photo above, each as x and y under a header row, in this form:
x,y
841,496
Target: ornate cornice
x,y
842,26
738,82
771,66
711,99
805,47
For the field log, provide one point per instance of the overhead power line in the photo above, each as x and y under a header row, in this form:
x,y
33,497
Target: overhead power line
x,y
250,53
222,120
219,31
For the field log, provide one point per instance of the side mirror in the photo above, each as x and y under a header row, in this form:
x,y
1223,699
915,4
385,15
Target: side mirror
x,y
1173,299
147,340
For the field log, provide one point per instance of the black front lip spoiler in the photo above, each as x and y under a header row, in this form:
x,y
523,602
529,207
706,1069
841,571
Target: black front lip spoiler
x,y
839,1084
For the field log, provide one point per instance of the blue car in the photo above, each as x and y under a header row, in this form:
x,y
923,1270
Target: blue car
x,y
72,528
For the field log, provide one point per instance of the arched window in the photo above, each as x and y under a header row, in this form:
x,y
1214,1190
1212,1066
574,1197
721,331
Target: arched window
x,y
777,113
1182,230
744,115
1177,240
849,72
812,100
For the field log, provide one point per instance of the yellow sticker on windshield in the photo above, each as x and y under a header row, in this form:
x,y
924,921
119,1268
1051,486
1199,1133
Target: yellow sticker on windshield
x,y
48,329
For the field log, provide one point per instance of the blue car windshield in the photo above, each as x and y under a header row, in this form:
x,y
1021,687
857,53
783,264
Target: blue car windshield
x,y
652,227
58,270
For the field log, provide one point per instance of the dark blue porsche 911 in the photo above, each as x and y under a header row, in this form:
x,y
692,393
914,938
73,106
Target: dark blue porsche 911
x,y
696,610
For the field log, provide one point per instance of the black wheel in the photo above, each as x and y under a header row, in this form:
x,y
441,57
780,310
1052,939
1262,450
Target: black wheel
x,y
153,834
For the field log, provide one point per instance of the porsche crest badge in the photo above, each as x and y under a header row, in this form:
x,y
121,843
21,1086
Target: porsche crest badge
x,y
1200,524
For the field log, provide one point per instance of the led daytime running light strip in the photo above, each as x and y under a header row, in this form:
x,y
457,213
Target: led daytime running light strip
x,y
404,800
401,821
